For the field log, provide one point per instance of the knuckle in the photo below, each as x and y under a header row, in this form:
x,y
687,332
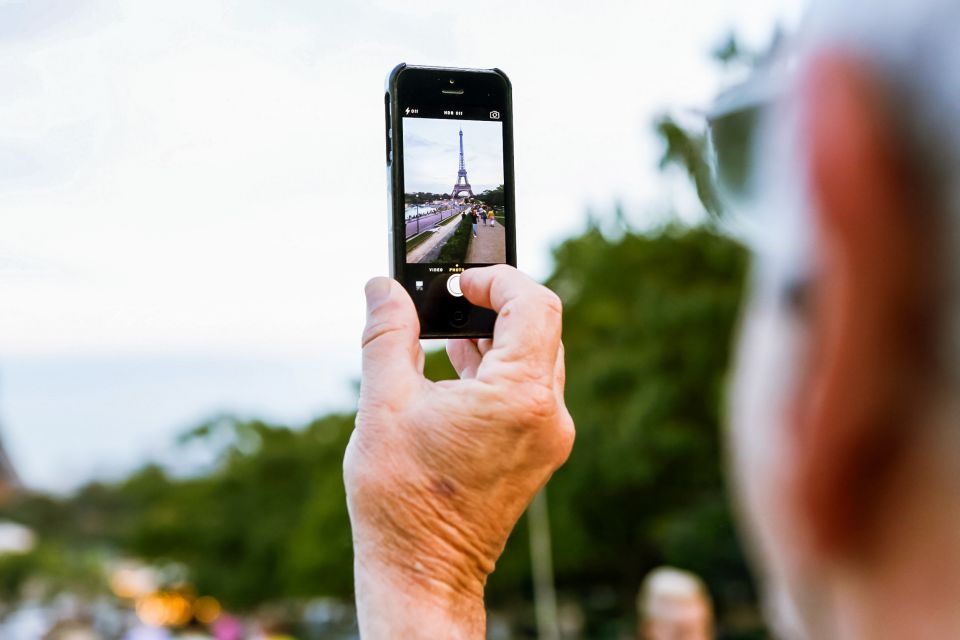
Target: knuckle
x,y
566,436
380,327
361,477
538,402
352,466
502,270
552,302
361,459
561,376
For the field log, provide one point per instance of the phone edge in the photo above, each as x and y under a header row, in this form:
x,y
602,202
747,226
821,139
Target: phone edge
x,y
395,166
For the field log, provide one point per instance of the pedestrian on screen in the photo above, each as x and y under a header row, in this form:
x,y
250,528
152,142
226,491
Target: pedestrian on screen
x,y
476,221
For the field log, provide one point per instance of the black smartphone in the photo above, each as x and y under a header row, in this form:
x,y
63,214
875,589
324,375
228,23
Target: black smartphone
x,y
450,174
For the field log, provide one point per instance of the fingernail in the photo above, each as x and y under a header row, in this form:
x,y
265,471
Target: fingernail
x,y
376,291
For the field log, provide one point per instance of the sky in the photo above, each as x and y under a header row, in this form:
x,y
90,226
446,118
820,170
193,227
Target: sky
x,y
431,154
193,193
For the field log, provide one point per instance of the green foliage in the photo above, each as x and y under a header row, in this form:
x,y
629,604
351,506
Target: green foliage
x,y
648,321
423,197
689,150
492,197
455,248
51,569
15,570
269,522
730,51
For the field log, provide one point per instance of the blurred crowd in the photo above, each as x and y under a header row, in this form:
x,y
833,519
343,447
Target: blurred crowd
x,y
671,604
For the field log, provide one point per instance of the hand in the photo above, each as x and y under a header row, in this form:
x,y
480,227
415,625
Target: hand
x,y
437,474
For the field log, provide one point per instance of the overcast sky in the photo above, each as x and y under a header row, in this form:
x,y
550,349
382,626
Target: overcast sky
x,y
192,193
431,154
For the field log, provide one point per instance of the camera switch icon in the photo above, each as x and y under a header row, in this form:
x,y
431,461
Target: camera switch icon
x,y
494,115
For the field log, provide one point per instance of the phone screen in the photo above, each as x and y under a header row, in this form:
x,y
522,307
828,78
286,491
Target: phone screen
x,y
449,154
455,210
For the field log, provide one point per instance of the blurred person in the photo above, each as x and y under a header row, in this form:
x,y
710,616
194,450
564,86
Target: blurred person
x,y
844,413
674,605
491,217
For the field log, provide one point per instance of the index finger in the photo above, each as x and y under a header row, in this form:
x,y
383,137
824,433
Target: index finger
x,y
529,320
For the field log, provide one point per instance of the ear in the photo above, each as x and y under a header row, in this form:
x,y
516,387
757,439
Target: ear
x,y
872,304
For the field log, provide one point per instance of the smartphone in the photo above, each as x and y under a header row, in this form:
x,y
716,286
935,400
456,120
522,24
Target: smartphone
x,y
450,177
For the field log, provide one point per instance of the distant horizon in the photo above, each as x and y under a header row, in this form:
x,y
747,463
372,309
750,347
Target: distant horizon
x,y
141,404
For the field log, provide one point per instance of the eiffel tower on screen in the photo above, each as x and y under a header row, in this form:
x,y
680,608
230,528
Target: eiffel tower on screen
x,y
463,185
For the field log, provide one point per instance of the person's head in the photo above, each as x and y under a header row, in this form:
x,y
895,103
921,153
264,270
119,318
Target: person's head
x,y
845,421
674,605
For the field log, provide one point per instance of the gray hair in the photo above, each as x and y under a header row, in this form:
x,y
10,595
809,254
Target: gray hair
x,y
912,49
668,583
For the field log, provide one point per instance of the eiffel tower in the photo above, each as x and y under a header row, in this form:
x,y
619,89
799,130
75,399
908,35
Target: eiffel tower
x,y
463,185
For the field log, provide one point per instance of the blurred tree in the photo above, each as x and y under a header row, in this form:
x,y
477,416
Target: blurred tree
x,y
648,320
689,149
729,50
423,197
492,197
270,522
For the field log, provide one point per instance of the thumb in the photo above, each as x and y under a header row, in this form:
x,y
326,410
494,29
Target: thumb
x,y
392,356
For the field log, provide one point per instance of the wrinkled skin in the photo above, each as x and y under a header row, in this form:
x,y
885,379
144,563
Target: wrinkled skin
x,y
438,473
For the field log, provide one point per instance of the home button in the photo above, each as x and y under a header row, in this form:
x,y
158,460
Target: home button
x,y
459,318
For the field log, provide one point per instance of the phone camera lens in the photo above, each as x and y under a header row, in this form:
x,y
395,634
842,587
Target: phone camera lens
x,y
451,80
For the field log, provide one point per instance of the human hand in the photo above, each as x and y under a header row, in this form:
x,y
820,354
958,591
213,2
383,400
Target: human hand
x,y
437,474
